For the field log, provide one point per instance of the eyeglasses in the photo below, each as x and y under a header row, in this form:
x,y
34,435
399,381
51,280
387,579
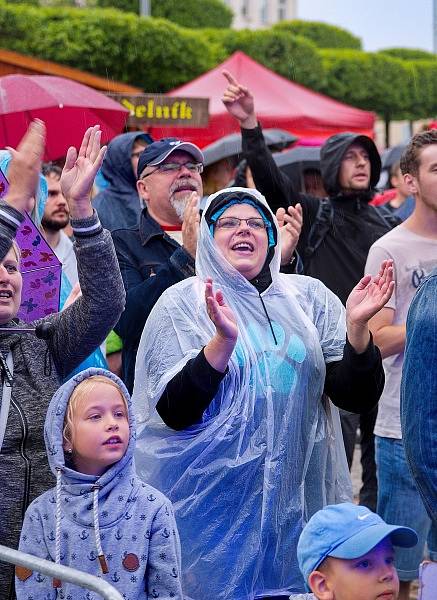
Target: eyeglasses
x,y
235,222
176,167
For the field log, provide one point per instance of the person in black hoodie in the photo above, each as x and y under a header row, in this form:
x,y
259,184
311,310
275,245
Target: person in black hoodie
x,y
119,204
335,249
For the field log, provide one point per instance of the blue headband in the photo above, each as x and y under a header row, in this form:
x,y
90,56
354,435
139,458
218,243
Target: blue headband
x,y
215,216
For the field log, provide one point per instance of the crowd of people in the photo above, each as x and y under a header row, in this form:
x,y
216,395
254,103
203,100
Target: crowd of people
x,y
259,328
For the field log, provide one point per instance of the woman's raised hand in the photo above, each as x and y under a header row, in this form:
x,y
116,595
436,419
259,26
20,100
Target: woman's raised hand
x,y
370,295
220,313
25,167
290,226
80,171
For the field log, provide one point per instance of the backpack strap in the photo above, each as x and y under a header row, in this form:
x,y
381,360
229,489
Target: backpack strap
x,y
386,215
320,227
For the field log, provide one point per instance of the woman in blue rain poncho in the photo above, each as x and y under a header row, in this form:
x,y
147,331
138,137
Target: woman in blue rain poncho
x,y
231,387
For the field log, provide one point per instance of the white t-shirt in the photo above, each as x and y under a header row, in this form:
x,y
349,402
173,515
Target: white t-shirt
x,y
65,253
414,258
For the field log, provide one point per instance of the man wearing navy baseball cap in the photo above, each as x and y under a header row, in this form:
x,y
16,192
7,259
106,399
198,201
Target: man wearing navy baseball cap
x,y
162,250
345,552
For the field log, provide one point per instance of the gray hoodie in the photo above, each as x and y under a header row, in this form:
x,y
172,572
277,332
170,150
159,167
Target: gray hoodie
x,y
114,515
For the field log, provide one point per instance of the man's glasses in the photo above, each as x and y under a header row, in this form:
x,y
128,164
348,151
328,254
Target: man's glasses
x,y
235,222
176,167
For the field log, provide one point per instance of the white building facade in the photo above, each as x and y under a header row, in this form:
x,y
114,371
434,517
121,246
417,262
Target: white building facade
x,y
256,14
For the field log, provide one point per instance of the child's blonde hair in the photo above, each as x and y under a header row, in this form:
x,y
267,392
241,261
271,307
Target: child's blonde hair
x,y
77,396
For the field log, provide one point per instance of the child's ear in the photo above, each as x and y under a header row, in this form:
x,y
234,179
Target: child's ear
x,y
318,583
67,448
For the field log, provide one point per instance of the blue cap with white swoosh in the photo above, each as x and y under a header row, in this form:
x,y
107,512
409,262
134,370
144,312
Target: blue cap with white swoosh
x,y
346,531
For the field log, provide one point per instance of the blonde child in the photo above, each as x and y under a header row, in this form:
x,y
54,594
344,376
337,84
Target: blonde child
x,y
100,518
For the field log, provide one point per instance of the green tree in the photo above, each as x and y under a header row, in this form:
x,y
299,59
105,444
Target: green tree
x,y
322,35
153,54
188,13
408,53
293,57
369,81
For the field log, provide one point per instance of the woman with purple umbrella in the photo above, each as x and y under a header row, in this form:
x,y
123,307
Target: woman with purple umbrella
x,y
32,366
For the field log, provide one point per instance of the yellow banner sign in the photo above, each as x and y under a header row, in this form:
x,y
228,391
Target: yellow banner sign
x,y
158,109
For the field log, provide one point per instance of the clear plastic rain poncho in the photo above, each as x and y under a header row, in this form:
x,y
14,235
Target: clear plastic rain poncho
x,y
269,450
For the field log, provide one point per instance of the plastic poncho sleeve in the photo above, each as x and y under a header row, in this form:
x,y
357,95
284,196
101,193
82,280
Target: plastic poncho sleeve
x,y
328,315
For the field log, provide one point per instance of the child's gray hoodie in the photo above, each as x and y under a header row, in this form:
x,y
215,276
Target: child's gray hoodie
x,y
115,515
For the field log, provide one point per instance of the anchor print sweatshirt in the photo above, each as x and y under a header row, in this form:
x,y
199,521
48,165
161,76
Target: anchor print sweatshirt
x,y
116,514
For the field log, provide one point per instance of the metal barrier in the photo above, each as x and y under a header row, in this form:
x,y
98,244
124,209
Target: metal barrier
x,y
90,582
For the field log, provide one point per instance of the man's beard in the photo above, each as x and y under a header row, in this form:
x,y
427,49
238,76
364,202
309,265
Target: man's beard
x,y
54,225
179,204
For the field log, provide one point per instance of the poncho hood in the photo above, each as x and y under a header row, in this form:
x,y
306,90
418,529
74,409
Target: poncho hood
x,y
210,261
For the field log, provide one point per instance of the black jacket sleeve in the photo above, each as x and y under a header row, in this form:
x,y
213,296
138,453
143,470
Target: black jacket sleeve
x,y
355,382
189,393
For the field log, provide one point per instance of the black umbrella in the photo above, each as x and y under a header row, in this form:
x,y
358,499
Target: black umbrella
x,y
230,145
295,161
389,157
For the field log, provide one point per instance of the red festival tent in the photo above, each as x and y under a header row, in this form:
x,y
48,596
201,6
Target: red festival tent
x,y
279,103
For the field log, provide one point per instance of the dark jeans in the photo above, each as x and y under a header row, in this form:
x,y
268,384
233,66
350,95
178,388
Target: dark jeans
x,y
349,425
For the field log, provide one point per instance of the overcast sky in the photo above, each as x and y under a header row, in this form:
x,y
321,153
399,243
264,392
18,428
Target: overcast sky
x,y
379,23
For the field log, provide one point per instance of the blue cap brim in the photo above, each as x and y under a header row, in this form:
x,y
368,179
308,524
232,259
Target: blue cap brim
x,y
362,542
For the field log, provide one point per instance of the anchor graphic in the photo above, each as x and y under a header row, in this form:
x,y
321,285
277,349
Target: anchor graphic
x,y
115,578
83,535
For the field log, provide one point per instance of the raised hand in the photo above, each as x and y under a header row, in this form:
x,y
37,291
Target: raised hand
x,y
239,102
25,166
80,171
190,224
290,226
220,313
370,295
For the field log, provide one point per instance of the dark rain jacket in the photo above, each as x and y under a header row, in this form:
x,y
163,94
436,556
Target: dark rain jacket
x,y
119,204
340,259
150,262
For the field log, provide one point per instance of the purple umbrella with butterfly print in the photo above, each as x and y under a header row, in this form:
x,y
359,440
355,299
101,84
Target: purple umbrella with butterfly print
x,y
40,268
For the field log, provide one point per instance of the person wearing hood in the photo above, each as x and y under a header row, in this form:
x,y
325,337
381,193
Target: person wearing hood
x,y
162,250
119,204
100,518
334,243
229,389
34,364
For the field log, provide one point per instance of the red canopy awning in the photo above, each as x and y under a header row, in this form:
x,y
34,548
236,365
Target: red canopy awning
x,y
279,103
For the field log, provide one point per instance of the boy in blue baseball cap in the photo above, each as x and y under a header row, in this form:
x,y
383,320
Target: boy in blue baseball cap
x,y
345,552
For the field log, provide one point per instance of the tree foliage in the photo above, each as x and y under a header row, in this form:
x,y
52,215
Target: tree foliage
x,y
293,57
153,54
321,34
188,13
408,53
370,81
